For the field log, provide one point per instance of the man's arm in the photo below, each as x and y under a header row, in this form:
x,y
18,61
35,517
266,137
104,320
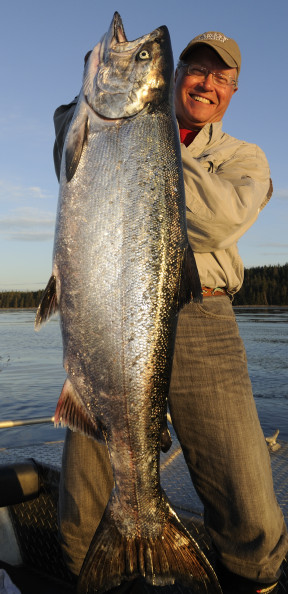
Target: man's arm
x,y
221,206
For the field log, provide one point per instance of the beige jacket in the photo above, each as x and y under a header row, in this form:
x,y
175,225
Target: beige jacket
x,y
227,183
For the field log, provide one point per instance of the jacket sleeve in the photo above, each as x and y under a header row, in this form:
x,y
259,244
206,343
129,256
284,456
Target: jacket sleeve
x,y
222,205
62,119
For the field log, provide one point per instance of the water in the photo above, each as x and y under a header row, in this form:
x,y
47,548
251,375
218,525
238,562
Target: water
x,y
31,376
31,372
265,335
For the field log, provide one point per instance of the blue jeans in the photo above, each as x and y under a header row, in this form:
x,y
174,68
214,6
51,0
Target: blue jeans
x,y
215,417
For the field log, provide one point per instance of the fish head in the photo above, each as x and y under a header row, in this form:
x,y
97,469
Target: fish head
x,y
124,77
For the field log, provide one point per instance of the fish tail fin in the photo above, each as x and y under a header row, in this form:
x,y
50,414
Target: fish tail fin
x,y
173,557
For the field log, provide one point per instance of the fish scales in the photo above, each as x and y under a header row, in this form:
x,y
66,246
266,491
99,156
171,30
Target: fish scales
x,y
133,273
122,267
131,313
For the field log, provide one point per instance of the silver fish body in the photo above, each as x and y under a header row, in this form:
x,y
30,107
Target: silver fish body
x,y
122,269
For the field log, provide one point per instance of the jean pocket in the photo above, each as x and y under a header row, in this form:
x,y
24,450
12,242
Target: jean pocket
x,y
216,307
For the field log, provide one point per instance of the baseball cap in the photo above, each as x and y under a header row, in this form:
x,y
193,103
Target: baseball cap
x,y
226,48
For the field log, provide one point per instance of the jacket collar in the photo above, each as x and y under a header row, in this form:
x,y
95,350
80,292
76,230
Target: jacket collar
x,y
209,134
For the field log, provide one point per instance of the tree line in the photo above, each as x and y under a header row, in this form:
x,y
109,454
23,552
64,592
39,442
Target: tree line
x,y
20,299
263,285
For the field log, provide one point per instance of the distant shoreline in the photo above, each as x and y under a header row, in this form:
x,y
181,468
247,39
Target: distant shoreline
x,y
264,286
259,306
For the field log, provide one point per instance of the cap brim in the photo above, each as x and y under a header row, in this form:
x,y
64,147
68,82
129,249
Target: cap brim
x,y
229,61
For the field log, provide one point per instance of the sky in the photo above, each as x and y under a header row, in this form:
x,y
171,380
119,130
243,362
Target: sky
x,y
43,45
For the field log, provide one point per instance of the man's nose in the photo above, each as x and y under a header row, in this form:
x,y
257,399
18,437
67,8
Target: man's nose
x,y
207,83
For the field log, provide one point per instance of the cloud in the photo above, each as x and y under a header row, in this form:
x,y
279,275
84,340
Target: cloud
x,y
10,192
273,244
30,236
37,192
27,224
19,126
274,254
281,193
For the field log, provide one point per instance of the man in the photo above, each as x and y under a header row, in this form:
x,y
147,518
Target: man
x,y
211,402
227,183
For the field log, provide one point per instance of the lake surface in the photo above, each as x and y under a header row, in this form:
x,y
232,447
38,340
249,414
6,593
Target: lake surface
x,y
31,372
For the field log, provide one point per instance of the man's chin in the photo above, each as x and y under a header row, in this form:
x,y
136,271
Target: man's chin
x,y
200,115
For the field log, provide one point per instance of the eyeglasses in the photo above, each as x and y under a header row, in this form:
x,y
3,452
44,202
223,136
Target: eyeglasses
x,y
201,73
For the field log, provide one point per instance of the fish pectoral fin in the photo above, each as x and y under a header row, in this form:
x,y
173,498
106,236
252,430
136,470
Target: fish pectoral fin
x,y
48,305
71,412
76,139
190,286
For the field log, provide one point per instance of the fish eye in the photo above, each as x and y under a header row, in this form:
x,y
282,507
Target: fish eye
x,y
143,55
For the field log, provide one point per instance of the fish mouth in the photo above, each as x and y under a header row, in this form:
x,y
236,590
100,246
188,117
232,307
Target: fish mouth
x,y
115,34
119,32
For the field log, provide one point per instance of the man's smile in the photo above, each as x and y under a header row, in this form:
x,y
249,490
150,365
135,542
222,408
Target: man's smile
x,y
201,99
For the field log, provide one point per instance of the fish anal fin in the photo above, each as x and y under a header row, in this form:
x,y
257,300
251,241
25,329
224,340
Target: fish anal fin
x,y
71,412
76,139
48,305
173,557
190,286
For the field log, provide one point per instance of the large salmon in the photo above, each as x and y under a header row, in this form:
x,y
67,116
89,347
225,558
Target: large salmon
x,y
122,269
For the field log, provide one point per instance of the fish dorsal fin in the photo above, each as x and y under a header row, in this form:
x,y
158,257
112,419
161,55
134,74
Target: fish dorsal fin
x,y
48,304
71,412
76,139
190,286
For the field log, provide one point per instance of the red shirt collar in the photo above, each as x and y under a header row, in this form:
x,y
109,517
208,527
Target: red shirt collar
x,y
187,136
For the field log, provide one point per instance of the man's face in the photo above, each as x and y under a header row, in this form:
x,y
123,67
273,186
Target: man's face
x,y
199,102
